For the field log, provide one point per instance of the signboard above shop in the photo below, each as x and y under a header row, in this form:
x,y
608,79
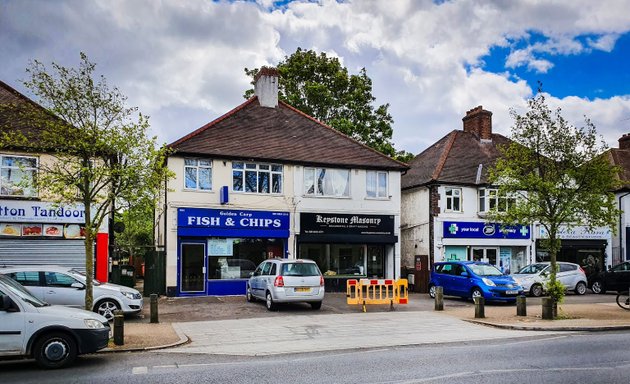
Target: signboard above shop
x,y
477,230
41,212
232,223
578,233
337,223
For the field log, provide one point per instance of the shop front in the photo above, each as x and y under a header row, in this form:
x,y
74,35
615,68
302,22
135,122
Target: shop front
x,y
219,248
505,247
347,246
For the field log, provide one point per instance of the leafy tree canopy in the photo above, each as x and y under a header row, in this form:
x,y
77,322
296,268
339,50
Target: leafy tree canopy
x,y
321,87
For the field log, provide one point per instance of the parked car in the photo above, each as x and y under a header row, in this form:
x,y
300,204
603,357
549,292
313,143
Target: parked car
x,y
533,277
66,286
616,278
470,279
286,281
53,335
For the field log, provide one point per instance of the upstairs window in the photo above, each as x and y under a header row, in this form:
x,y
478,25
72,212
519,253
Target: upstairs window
x,y
198,174
490,199
256,177
326,182
376,184
18,176
453,199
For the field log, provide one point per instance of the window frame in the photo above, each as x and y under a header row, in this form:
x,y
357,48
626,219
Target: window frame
x,y
197,166
315,172
273,171
450,199
489,199
378,186
34,170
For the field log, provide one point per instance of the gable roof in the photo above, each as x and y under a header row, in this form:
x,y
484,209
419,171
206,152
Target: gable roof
x,y
455,159
621,158
281,134
15,109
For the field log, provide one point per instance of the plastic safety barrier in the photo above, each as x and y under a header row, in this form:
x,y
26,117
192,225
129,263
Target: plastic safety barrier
x,y
377,291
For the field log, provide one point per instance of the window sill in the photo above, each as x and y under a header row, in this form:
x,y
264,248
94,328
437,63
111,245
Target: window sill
x,y
379,198
256,193
198,190
328,197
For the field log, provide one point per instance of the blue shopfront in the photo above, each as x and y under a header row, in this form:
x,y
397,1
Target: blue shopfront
x,y
219,248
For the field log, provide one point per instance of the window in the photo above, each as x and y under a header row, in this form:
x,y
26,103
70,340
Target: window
x,y
490,199
256,178
56,279
376,184
18,175
453,199
198,174
27,279
327,182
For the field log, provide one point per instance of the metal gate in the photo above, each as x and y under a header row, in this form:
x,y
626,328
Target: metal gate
x,y
68,253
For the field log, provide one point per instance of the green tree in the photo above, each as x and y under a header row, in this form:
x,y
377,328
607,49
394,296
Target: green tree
x,y
558,176
321,87
101,154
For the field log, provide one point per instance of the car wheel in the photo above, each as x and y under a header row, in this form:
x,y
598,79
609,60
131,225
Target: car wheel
x,y
55,350
598,287
432,291
580,288
536,290
106,308
269,302
476,292
316,305
250,297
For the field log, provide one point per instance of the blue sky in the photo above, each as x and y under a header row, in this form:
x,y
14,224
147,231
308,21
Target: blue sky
x,y
181,62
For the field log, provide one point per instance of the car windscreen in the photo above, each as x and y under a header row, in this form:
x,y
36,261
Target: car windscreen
x,y
18,290
299,269
531,269
485,270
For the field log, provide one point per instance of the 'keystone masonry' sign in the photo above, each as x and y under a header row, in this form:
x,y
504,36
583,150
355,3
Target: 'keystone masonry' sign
x,y
333,223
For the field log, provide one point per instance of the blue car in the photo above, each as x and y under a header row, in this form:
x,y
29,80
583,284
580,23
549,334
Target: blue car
x,y
470,279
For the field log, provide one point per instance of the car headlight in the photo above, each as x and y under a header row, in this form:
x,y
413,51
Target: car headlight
x,y
129,295
488,282
93,324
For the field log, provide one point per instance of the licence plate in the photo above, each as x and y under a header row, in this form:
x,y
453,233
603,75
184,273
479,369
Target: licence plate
x,y
302,289
511,292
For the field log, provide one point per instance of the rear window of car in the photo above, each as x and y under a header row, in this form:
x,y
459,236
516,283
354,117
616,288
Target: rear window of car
x,y
300,269
567,267
533,268
28,278
445,269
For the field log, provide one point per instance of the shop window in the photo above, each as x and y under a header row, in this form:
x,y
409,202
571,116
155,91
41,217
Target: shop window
x,y
341,259
453,199
326,182
198,174
376,184
490,199
238,258
256,178
18,176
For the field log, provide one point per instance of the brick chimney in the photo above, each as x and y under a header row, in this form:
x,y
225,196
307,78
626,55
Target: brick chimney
x,y
624,141
266,87
479,122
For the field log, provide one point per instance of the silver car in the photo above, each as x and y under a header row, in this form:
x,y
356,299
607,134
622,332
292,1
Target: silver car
x,y
286,281
66,286
533,277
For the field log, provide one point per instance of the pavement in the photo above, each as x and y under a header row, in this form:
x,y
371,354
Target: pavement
x,y
232,326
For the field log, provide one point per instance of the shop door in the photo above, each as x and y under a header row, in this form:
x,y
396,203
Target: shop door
x,y
376,261
192,274
488,255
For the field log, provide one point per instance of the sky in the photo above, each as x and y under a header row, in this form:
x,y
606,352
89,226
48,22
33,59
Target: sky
x,y
182,62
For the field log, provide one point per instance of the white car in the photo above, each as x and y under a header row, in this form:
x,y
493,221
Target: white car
x,y
533,277
66,286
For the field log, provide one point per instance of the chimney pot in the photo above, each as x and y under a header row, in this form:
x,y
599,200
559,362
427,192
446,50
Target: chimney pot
x,y
266,87
479,122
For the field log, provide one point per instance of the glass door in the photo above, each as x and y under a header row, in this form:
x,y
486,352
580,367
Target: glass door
x,y
488,255
376,261
192,274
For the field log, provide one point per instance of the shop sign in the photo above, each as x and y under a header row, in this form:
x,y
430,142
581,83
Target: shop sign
x,y
335,223
41,212
578,232
232,219
477,230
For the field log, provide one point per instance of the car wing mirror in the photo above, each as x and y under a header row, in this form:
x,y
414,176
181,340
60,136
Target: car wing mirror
x,y
6,304
465,274
251,274
78,286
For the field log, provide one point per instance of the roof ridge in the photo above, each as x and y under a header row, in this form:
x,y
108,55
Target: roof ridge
x,y
444,156
213,122
341,133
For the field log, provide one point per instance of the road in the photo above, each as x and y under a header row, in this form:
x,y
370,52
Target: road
x,y
569,358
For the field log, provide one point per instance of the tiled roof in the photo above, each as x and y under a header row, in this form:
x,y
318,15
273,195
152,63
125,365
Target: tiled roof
x,y
621,158
10,118
454,159
282,134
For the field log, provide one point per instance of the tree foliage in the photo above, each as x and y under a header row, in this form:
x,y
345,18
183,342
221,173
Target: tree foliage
x,y
558,175
102,155
321,87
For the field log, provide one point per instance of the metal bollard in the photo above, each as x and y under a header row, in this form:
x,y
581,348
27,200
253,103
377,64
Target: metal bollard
x,y
119,328
521,306
547,308
154,308
480,305
439,298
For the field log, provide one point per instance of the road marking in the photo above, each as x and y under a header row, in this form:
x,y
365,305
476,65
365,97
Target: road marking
x,y
140,370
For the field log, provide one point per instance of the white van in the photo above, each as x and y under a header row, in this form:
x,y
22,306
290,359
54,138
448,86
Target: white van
x,y
52,335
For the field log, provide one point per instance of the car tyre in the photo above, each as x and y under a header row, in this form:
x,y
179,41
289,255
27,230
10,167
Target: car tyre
x,y
432,291
536,290
249,296
476,292
106,308
269,302
55,350
316,305
598,287
580,288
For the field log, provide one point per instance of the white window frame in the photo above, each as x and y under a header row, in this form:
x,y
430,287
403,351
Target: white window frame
x,y
380,191
198,166
275,172
490,199
449,192
6,186
315,173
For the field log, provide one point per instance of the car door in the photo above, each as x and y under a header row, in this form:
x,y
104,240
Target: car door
x,y
446,279
256,283
12,326
460,281
59,290
567,275
619,278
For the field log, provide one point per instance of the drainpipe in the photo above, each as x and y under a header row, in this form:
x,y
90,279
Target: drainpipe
x,y
621,255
